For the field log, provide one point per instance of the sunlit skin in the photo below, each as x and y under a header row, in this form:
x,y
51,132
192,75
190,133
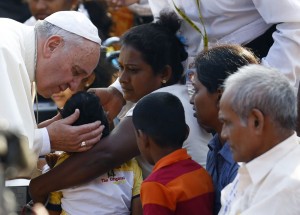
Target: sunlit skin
x,y
59,68
206,105
40,9
141,139
61,97
244,139
137,78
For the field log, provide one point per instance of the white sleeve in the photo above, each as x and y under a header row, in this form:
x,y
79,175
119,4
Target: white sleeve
x,y
42,136
143,2
157,6
117,85
284,53
15,94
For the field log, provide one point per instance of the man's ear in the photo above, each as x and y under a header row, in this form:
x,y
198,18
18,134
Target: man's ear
x,y
256,120
51,44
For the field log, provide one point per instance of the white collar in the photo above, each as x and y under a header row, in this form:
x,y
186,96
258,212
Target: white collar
x,y
262,165
30,51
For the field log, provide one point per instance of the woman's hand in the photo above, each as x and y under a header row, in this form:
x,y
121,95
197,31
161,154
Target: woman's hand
x,y
111,100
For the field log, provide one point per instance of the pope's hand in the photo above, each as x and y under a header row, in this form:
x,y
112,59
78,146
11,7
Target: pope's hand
x,y
65,137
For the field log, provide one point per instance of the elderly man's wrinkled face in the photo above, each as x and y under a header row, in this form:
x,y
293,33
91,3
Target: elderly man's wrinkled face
x,y
243,142
63,68
40,9
61,98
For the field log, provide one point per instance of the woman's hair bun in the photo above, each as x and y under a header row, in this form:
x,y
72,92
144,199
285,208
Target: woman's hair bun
x,y
170,21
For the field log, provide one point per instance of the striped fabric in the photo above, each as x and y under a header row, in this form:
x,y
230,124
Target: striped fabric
x,y
177,185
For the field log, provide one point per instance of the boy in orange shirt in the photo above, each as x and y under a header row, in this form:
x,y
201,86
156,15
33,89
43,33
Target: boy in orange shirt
x,y
177,184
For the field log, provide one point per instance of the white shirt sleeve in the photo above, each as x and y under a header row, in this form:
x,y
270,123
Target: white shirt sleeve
x,y
284,53
43,136
117,85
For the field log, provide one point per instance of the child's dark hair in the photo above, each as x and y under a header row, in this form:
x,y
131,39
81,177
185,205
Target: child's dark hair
x,y
214,65
159,45
89,107
161,116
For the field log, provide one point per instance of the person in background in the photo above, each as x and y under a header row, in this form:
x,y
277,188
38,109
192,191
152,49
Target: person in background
x,y
40,9
14,9
99,15
271,29
213,67
258,110
142,11
96,11
116,192
271,32
177,184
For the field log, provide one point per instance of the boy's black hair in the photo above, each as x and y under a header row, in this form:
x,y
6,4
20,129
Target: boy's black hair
x,y
89,107
161,116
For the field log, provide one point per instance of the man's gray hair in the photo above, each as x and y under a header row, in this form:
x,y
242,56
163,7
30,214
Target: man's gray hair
x,y
266,89
46,30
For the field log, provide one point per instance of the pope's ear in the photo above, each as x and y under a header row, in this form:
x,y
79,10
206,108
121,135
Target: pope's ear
x,y
51,44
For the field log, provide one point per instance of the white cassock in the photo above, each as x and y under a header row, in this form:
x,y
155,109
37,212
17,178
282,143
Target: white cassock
x,y
17,68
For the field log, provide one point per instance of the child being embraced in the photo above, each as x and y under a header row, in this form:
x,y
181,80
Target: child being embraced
x,y
116,192
177,184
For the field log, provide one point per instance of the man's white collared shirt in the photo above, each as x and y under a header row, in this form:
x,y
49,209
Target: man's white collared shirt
x,y
269,184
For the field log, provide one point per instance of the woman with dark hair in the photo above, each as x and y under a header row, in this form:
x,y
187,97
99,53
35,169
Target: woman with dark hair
x,y
212,68
150,60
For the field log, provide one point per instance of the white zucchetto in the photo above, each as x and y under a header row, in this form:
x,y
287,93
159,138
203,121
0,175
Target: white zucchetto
x,y
76,23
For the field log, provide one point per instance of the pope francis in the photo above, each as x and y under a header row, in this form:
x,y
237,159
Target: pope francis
x,y
55,54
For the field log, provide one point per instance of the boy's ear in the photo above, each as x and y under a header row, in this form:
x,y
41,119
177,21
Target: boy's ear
x,y
145,139
187,131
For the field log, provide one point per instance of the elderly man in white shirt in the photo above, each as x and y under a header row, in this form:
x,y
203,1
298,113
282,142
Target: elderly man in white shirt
x,y
56,54
259,115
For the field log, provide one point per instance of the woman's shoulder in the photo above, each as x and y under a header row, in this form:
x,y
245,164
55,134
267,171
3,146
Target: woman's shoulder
x,y
175,89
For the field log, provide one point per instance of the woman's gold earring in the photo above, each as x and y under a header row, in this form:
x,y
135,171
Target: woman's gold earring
x,y
164,81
